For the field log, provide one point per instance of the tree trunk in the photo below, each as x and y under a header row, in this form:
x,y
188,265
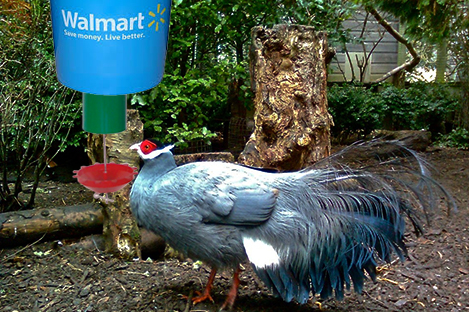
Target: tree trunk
x,y
27,226
120,229
441,60
288,76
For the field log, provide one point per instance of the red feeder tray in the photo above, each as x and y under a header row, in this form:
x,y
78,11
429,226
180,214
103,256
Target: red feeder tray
x,y
115,178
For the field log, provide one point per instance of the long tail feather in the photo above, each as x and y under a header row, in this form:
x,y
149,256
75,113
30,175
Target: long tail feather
x,y
355,209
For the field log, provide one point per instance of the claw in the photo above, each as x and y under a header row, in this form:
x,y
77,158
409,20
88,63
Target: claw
x,y
232,294
206,294
202,297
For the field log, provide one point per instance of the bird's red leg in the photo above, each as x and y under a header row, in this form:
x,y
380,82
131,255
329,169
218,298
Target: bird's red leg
x,y
233,293
206,294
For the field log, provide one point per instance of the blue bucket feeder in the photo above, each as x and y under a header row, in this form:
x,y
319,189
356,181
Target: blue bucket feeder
x,y
107,49
110,47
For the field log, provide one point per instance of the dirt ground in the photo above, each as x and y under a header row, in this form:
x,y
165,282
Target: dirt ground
x,y
60,276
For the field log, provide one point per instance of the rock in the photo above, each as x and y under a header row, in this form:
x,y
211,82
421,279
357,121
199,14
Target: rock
x,y
400,303
85,291
417,140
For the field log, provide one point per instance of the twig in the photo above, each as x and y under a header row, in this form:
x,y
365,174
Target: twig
x,y
189,301
22,249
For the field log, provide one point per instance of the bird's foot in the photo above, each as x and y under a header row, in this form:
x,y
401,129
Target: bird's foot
x,y
206,294
319,304
201,297
104,198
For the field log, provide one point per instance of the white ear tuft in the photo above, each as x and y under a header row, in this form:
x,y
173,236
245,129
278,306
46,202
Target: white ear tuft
x,y
136,146
167,148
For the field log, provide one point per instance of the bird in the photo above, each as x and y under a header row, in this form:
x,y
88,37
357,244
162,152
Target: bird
x,y
318,230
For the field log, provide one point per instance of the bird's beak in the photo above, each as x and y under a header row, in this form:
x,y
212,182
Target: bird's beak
x,y
136,146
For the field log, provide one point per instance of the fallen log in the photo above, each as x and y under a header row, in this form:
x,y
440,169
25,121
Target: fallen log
x,y
151,245
218,156
27,226
417,140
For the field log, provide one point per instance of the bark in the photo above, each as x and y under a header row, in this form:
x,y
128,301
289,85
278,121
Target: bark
x,y
441,60
288,76
27,226
120,229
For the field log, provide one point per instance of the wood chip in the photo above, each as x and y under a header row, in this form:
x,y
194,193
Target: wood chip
x,y
463,271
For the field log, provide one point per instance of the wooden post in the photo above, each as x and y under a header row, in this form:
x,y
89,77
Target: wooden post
x,y
288,76
121,233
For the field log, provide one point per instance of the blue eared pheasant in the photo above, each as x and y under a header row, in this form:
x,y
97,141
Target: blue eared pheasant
x,y
314,231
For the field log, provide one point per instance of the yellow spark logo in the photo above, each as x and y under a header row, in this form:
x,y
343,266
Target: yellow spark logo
x,y
155,21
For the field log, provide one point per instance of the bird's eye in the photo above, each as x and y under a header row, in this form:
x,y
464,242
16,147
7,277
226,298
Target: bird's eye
x,y
147,147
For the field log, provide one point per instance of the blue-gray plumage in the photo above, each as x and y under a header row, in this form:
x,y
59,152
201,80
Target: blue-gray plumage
x,y
306,232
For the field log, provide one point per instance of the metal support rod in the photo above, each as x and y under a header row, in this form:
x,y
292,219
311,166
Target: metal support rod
x,y
104,153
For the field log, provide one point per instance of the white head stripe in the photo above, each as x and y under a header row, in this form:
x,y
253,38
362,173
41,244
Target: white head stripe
x,y
153,154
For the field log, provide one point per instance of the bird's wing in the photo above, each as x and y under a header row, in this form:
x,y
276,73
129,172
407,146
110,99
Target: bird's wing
x,y
234,204
225,194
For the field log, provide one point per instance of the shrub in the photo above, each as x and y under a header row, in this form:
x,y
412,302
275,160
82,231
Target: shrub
x,y
179,108
420,106
458,138
37,113
354,110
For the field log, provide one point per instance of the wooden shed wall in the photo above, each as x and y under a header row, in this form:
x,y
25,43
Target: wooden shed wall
x,y
385,54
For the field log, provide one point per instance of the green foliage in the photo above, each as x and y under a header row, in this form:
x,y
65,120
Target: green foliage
x,y
458,138
180,107
183,135
358,110
420,106
28,64
429,20
354,110
323,16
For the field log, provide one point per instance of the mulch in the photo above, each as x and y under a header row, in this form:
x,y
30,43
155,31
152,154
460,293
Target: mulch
x,y
65,276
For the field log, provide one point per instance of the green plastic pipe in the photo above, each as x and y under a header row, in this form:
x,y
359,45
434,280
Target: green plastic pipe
x,y
104,114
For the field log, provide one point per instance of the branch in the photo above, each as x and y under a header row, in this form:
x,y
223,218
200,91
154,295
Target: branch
x,y
408,66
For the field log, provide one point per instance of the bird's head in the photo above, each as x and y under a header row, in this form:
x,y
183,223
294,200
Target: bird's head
x,y
150,149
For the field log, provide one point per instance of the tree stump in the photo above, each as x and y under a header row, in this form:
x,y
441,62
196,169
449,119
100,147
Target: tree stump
x,y
288,77
120,230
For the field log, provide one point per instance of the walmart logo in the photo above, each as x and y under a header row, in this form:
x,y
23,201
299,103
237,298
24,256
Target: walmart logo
x,y
91,22
155,21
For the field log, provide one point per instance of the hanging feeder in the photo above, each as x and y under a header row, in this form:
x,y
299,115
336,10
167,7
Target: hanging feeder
x,y
101,178
107,49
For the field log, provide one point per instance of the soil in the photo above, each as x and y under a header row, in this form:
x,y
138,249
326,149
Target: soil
x,y
64,276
